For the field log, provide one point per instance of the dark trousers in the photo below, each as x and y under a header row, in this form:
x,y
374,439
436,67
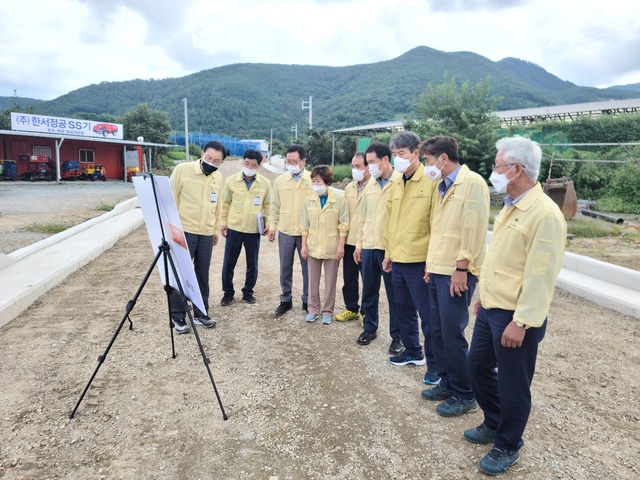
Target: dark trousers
x,y
200,248
449,319
350,273
371,273
234,242
504,395
287,247
412,297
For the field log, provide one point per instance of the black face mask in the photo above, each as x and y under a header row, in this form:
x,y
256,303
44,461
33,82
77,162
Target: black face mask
x,y
207,168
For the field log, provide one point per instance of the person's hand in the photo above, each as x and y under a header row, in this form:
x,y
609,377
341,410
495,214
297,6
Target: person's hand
x,y
303,252
426,276
357,256
512,336
340,253
386,265
224,230
476,307
458,283
272,235
215,239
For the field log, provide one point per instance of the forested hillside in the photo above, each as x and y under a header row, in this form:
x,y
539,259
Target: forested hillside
x,y
250,99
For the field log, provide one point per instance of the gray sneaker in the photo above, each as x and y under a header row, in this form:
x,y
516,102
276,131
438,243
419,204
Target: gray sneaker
x,y
437,393
454,407
181,326
498,461
204,322
481,434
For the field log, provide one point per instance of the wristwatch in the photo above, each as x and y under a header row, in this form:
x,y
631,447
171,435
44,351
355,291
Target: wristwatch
x,y
519,324
458,269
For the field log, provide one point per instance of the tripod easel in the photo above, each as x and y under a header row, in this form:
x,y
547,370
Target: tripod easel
x,y
164,251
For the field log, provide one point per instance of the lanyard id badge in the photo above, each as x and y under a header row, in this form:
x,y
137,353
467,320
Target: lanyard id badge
x,y
256,200
213,197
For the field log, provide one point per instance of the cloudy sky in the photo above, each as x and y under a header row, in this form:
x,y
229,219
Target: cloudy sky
x,y
49,48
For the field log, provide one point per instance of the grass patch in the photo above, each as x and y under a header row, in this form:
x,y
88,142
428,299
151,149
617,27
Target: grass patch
x,y
48,228
105,207
588,229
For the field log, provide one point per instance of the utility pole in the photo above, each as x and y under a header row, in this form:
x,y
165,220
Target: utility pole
x,y
271,145
186,130
294,128
309,106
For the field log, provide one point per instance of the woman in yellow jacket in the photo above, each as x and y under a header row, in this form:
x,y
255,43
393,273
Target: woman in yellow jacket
x,y
325,225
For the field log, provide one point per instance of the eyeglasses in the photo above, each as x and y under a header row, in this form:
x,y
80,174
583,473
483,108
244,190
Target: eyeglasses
x,y
494,167
293,162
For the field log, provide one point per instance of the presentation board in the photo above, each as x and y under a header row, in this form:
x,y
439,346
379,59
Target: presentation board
x,y
174,234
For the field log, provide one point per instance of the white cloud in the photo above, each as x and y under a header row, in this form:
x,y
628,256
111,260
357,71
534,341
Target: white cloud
x,y
50,48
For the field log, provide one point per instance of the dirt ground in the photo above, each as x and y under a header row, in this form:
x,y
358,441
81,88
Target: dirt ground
x,y
303,400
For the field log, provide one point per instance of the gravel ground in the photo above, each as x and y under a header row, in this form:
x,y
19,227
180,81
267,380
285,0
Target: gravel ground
x,y
304,400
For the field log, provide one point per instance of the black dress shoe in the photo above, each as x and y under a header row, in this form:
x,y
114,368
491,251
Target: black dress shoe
x,y
248,298
366,338
396,347
283,308
304,307
226,300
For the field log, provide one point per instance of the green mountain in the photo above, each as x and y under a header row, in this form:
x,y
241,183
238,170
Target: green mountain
x,y
6,102
633,87
249,99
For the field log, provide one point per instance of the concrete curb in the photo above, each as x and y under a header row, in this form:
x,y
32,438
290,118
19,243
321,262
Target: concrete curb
x,y
41,267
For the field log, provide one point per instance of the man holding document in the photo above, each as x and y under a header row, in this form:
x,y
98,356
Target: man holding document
x,y
245,202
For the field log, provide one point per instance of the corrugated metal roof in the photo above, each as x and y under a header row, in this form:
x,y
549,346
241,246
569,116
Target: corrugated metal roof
x,y
374,126
571,108
81,138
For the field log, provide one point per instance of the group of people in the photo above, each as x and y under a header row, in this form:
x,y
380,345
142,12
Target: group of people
x,y
422,230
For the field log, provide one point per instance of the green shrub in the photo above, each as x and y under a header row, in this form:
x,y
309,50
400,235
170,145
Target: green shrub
x,y
341,172
616,204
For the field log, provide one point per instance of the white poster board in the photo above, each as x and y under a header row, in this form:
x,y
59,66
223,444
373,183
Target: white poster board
x,y
173,232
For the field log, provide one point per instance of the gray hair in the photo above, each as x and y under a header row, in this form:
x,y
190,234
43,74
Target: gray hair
x,y
523,151
405,139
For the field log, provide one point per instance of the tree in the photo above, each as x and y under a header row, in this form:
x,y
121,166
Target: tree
x,y
5,115
463,112
318,146
153,125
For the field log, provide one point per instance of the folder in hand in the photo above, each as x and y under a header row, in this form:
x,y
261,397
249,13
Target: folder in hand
x,y
261,223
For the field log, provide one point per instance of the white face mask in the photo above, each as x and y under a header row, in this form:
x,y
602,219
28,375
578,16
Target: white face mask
x,y
433,172
401,164
249,172
319,189
357,175
294,169
500,181
374,170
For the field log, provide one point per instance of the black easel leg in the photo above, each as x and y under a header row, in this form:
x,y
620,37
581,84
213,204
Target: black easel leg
x,y
130,306
205,359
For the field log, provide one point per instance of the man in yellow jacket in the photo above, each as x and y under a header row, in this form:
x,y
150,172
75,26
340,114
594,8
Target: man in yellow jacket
x,y
350,269
406,238
196,188
516,288
370,245
456,251
245,201
288,194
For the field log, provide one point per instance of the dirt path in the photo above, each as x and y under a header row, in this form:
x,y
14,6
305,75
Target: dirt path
x,y
304,401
